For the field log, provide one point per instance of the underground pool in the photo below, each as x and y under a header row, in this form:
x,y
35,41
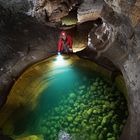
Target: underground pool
x,y
64,98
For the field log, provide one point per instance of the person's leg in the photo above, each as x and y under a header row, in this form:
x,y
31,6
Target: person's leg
x,y
66,49
63,51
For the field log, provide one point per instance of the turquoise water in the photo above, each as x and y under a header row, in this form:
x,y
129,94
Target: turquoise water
x,y
77,102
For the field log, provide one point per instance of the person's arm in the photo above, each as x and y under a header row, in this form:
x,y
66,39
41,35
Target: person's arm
x,y
59,45
70,42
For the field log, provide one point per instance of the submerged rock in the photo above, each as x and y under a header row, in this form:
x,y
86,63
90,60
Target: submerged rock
x,y
31,137
64,136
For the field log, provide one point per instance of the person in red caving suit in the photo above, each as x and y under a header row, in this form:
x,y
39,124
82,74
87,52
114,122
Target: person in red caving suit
x,y
65,43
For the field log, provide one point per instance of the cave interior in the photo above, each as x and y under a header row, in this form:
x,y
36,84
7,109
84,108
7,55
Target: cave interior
x,y
106,39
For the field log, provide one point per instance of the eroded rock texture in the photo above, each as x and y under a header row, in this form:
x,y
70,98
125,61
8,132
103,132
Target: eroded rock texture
x,y
43,10
90,10
117,39
24,40
53,9
122,47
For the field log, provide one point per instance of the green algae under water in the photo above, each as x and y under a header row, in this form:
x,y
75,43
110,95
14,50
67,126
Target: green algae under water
x,y
79,102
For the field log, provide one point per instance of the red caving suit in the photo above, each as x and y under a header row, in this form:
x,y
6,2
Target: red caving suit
x,y
61,43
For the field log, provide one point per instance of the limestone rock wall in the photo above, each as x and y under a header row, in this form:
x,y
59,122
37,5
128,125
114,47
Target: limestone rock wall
x,y
118,39
122,48
43,10
130,8
24,41
16,5
54,10
90,10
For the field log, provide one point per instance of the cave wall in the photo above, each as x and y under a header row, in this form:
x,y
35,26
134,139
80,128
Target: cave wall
x,y
24,40
122,48
25,43
42,10
119,43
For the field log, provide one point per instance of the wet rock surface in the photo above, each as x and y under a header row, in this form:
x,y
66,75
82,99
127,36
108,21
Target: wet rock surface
x,y
118,41
74,111
90,10
123,52
23,42
27,41
43,10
